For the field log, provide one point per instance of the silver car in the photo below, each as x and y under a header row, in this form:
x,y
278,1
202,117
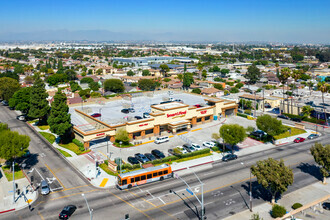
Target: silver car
x,y
44,187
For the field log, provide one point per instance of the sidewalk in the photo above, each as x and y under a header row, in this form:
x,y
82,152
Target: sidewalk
x,y
26,197
309,194
291,139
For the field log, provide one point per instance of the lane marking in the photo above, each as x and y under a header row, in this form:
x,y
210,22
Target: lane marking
x,y
68,189
55,176
39,174
42,218
104,182
73,194
131,205
161,200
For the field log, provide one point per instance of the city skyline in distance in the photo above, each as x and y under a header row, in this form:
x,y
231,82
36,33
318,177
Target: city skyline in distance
x,y
218,21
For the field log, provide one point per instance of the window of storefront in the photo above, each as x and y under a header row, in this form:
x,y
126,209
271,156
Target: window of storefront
x,y
207,118
199,120
137,134
150,131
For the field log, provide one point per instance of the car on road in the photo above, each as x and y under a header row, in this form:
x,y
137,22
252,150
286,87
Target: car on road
x,y
196,146
189,148
313,136
299,139
141,158
146,115
96,115
209,144
150,156
131,110
44,187
229,157
67,211
125,110
21,117
283,117
160,140
296,119
326,206
133,160
138,117
158,154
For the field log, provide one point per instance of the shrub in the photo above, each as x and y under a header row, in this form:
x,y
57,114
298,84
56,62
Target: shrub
x,y
296,206
79,144
278,211
241,115
248,112
256,217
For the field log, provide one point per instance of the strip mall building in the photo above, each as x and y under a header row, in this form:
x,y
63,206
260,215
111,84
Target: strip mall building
x,y
170,117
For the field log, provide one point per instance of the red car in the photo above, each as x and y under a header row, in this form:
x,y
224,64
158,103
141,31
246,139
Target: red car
x,y
96,115
299,139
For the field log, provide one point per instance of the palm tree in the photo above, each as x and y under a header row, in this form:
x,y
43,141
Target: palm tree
x,y
310,85
306,110
283,77
28,69
200,68
296,74
324,88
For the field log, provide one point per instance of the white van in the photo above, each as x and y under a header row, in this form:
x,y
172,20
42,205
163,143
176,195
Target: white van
x,y
160,140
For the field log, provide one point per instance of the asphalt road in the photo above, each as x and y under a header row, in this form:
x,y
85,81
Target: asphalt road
x,y
225,186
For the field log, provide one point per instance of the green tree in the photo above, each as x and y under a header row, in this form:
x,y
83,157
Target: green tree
x,y
218,86
232,134
94,86
84,94
130,73
310,85
270,125
74,86
12,144
113,85
321,156
122,135
224,71
200,67
283,77
273,175
71,74
86,80
59,119
307,110
324,88
164,69
39,106
146,84
99,71
234,90
196,90
188,79
8,87
21,100
146,73
239,85
253,74
18,69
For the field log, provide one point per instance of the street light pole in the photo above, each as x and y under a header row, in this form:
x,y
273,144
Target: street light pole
x,y
14,185
202,186
90,210
120,155
250,193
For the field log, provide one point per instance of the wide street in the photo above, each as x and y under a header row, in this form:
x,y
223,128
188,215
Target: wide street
x,y
226,185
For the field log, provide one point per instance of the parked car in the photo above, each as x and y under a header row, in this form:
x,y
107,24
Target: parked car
x,y
141,158
5,103
189,148
96,115
172,152
125,110
21,117
326,205
178,100
299,139
229,157
44,187
283,116
296,119
267,105
165,102
183,150
160,140
313,136
27,154
133,160
209,144
258,133
146,115
131,110
138,117
196,146
150,156
67,211
158,154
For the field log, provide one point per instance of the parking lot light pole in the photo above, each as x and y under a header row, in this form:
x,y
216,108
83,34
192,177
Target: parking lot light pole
x,y
250,187
90,210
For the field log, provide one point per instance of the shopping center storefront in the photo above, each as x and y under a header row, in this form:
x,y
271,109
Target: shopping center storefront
x,y
165,118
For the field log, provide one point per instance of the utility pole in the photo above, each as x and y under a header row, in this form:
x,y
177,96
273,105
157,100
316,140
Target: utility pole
x,y
250,193
14,185
89,210
255,104
263,100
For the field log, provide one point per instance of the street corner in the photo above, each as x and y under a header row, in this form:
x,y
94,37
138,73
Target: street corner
x,y
104,182
249,142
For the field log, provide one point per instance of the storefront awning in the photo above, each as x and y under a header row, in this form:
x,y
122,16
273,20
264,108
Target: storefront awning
x,y
177,123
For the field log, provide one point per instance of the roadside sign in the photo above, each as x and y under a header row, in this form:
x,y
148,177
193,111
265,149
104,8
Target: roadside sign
x,y
189,191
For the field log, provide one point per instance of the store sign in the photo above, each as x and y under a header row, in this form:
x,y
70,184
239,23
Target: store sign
x,y
203,112
100,134
141,125
177,114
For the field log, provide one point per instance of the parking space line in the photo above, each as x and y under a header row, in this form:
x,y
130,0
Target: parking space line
x,y
161,200
55,175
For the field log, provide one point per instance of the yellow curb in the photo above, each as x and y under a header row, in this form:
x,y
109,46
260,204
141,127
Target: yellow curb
x,y
171,136
104,181
183,133
144,143
196,129
29,201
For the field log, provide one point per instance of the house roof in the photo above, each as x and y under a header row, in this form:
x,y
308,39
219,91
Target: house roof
x,y
209,90
249,96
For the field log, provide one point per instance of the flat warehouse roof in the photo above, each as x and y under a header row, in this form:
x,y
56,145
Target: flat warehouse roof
x,y
170,105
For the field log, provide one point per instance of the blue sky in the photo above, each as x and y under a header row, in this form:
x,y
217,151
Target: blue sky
x,y
235,20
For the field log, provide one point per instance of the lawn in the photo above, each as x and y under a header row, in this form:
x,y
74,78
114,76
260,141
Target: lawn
x,y
294,131
75,148
9,174
106,169
50,137
43,127
66,154
123,145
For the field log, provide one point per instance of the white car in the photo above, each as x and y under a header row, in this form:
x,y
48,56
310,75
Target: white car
x,y
196,146
160,140
208,144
